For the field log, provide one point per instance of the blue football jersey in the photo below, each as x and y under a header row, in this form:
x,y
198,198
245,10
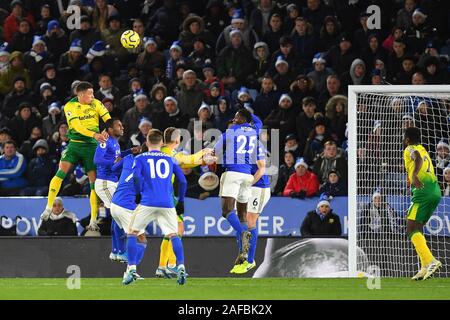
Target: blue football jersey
x,y
237,148
154,171
105,157
127,187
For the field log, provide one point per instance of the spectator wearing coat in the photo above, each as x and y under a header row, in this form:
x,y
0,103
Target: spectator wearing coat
x,y
322,221
61,222
303,183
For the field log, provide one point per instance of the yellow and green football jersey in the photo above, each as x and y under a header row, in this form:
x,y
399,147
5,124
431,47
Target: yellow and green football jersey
x,y
426,172
88,115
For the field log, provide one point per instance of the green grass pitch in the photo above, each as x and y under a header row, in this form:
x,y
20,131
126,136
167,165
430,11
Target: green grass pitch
x,y
224,288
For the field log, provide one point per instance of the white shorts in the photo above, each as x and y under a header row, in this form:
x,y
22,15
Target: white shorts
x,y
123,216
258,199
236,185
166,218
105,190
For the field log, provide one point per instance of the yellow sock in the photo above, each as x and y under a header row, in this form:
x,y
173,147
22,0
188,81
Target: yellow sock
x,y
172,258
94,205
164,252
53,190
422,249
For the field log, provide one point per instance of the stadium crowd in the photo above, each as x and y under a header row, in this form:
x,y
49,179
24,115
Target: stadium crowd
x,y
289,62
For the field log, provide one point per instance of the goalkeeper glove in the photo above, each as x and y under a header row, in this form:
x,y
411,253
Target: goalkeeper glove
x,y
180,208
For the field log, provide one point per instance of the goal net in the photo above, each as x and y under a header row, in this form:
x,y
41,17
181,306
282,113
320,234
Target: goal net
x,y
379,194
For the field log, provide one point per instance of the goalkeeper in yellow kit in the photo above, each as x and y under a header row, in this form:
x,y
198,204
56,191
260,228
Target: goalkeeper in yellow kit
x,y
172,138
82,114
426,196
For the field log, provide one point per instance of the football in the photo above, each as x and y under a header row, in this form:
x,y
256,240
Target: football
x,y
130,39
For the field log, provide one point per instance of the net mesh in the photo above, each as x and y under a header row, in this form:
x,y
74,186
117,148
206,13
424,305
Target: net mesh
x,y
383,196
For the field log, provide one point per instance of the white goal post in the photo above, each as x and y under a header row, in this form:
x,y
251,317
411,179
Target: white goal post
x,y
377,116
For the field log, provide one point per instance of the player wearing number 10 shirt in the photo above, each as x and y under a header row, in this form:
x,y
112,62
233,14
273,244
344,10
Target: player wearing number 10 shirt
x,y
237,148
153,171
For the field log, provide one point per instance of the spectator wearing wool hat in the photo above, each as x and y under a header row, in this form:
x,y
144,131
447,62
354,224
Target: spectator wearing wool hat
x,y
244,99
204,115
322,221
341,56
23,123
61,222
420,32
70,63
150,57
51,77
303,183
238,23
283,75
320,73
261,60
334,186
4,55
46,97
51,121
234,62
37,58
201,55
283,117
40,170
131,118
316,139
209,73
138,138
171,116
56,40
18,95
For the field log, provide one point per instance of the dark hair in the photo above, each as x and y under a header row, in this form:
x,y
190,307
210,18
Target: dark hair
x,y
308,100
170,134
11,142
154,136
83,86
413,134
109,124
285,40
246,114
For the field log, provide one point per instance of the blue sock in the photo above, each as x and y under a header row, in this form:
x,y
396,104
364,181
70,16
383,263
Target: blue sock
x,y
121,239
253,241
233,219
244,227
113,237
178,249
132,249
141,250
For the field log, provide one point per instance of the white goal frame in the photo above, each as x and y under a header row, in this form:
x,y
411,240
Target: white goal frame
x,y
352,151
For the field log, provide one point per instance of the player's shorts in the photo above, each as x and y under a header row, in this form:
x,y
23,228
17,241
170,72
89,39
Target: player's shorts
x,y
236,185
77,152
166,218
424,202
123,216
105,190
258,199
